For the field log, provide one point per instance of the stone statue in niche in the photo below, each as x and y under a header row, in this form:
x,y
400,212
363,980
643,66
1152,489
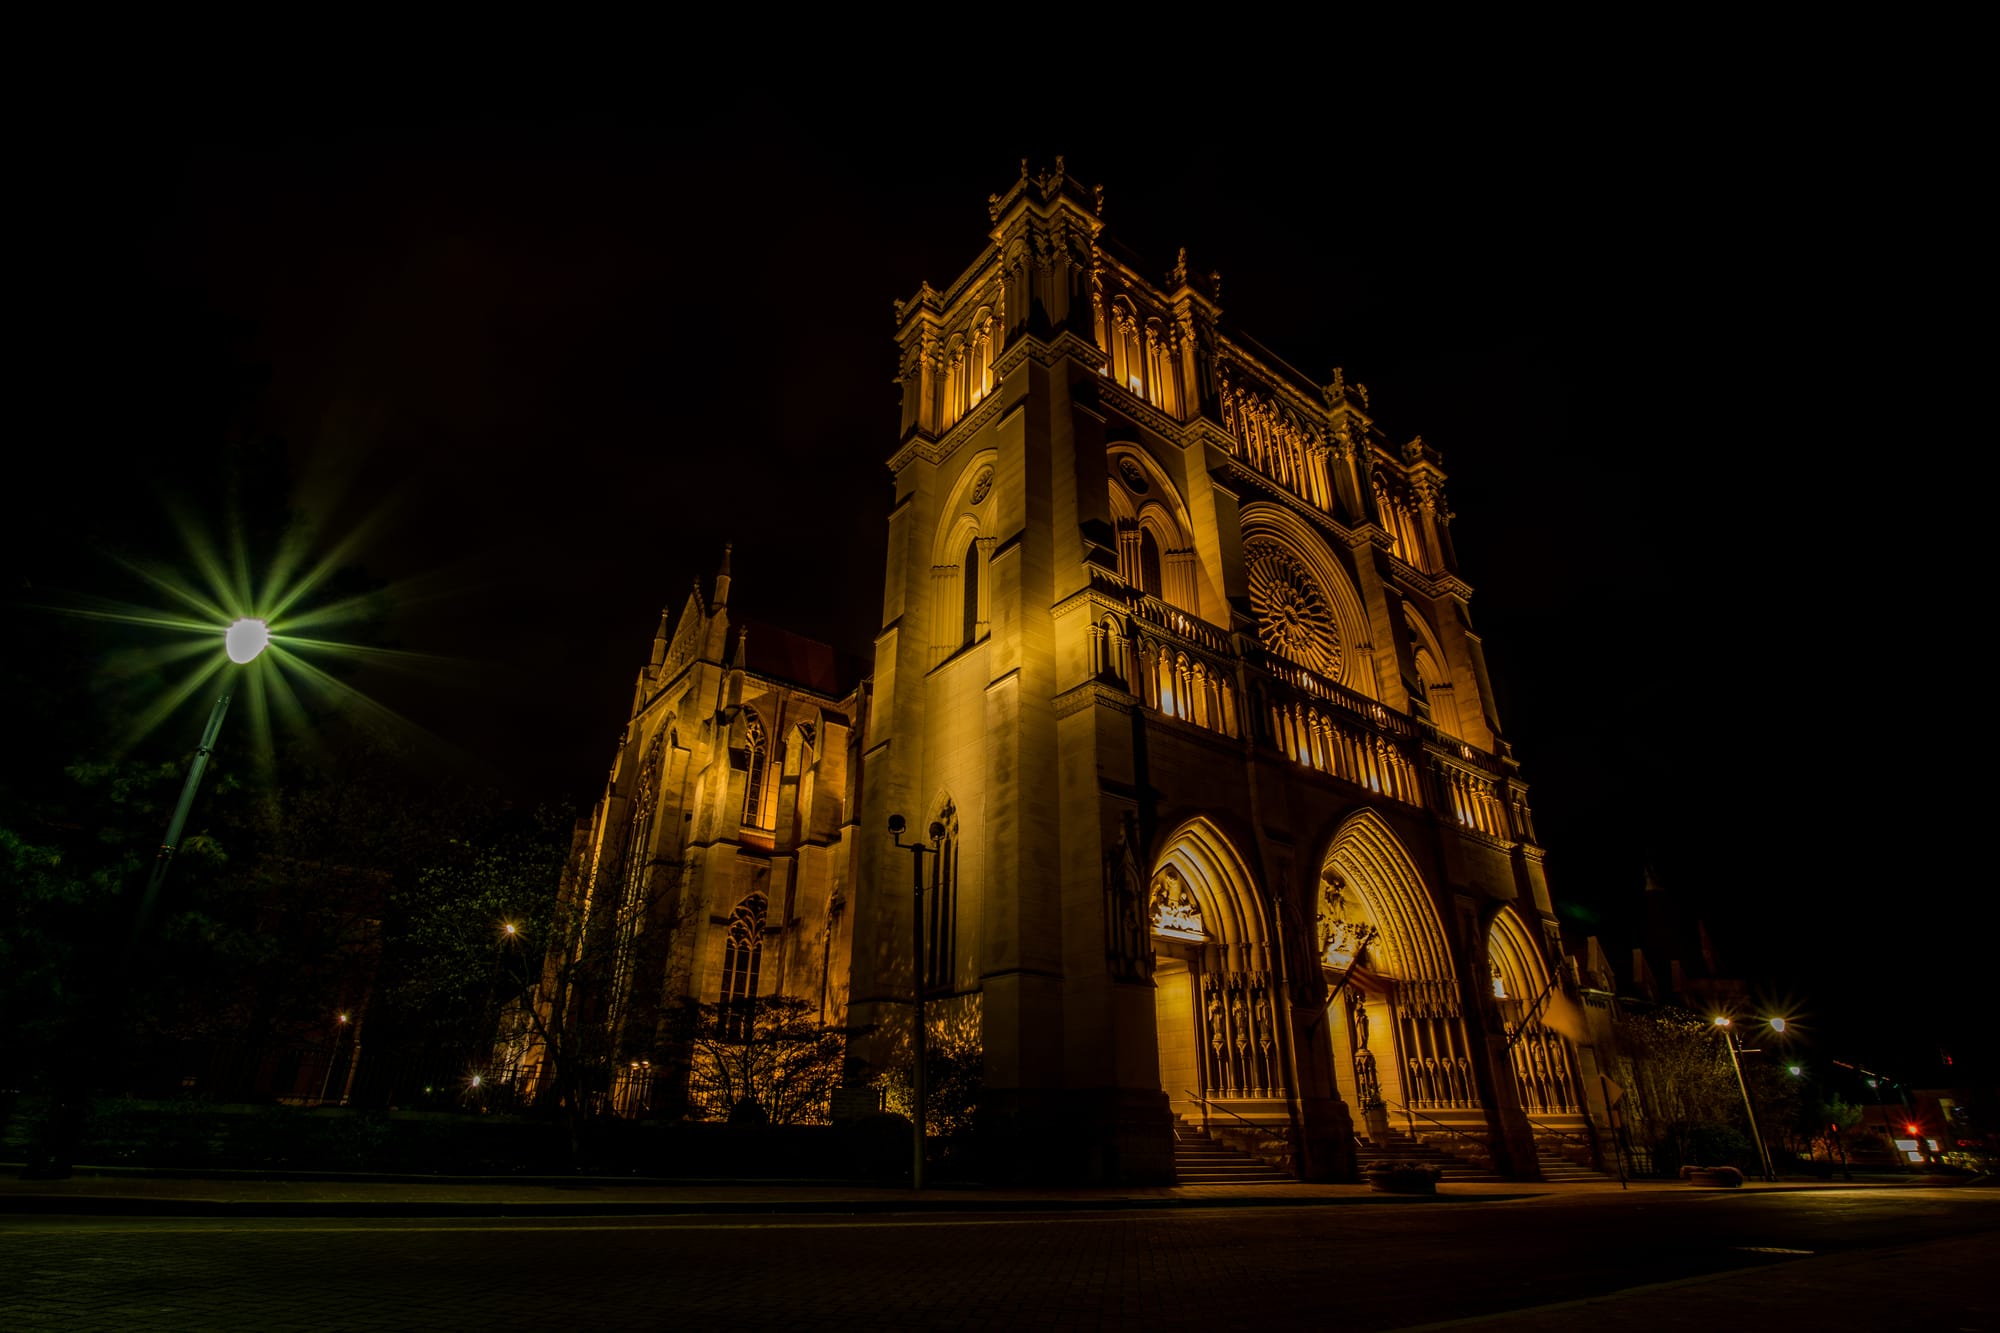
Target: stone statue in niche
x,y
1128,949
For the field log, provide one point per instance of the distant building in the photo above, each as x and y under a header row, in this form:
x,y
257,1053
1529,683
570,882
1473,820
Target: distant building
x,y
1175,651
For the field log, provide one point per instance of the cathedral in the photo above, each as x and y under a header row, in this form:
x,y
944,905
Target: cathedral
x,y
1202,813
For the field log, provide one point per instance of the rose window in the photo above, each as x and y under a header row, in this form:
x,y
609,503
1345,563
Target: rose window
x,y
1293,619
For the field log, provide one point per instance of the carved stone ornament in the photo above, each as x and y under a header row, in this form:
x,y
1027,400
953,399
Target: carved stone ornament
x,y
1293,618
1175,912
982,485
1134,475
1343,936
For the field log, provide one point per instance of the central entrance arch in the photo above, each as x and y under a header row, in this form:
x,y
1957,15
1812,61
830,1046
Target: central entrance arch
x,y
1396,1016
1216,1019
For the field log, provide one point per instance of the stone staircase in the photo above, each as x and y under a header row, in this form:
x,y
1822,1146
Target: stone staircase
x,y
1394,1147
1200,1160
1556,1167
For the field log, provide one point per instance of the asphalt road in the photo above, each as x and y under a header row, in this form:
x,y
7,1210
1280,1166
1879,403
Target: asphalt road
x,y
1824,1260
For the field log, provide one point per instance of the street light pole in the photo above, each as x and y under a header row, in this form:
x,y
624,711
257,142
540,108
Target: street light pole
x,y
1736,1064
920,1039
164,857
242,641
332,1057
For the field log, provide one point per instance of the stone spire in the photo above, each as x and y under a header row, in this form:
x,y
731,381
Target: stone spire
x,y
722,579
660,639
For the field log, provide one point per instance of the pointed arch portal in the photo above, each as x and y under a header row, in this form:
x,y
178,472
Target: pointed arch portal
x,y
1544,1068
1217,1020
1395,1015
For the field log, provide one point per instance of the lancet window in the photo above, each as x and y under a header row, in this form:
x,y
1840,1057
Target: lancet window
x,y
632,892
970,620
1155,551
1438,693
1128,364
756,761
742,956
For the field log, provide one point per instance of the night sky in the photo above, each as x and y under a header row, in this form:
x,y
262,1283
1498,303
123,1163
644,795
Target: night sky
x,y
558,360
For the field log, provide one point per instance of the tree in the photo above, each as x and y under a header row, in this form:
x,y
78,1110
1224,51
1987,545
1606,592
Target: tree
x,y
1681,1087
468,933
761,1060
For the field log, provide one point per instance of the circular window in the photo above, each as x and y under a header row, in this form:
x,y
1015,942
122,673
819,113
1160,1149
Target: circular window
x,y
1293,618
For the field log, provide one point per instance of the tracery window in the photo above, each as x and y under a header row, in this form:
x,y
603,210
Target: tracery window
x,y
742,955
1294,619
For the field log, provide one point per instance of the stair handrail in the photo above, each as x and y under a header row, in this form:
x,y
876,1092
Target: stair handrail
x,y
1485,1148
1581,1141
1195,1096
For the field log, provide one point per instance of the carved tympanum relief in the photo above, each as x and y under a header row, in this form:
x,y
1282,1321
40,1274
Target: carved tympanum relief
x,y
1175,912
1294,619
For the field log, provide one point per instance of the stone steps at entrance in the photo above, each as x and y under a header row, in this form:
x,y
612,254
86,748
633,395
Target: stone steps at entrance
x,y
1556,1167
1200,1160
1395,1147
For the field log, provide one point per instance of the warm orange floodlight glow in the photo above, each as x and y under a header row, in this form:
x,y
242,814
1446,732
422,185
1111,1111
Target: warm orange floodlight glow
x,y
245,639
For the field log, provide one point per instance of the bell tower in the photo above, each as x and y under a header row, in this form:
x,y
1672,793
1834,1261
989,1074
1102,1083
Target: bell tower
x,y
1174,650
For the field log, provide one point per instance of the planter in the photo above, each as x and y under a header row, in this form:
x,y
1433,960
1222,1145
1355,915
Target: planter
x,y
1713,1177
1404,1178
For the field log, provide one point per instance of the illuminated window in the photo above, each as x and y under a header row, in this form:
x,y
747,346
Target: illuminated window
x,y
742,954
754,756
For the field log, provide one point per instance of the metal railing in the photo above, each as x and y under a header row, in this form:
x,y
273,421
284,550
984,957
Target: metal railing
x,y
1484,1148
1205,1104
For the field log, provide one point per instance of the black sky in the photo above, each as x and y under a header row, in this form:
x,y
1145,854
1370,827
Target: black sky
x,y
562,358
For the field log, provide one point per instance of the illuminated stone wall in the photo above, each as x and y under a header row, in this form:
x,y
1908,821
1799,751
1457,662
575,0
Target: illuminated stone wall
x,y
1156,603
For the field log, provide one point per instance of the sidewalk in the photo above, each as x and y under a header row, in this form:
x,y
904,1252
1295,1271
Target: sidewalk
x,y
127,1191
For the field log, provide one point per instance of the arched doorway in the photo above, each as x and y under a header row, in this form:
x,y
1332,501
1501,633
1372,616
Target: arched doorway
x,y
1217,1020
1401,1053
1543,1064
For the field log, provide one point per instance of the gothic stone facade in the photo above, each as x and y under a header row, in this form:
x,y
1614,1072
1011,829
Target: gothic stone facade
x,y
717,865
1174,648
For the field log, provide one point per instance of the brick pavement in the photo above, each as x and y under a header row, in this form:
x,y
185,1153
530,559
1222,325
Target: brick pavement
x,y
1105,1267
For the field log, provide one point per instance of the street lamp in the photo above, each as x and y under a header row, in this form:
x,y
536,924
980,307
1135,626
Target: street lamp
x,y
243,640
1722,1024
918,1046
332,1056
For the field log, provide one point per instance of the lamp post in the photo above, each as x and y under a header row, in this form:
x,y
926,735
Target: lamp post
x,y
1729,1040
920,1039
243,640
340,1027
